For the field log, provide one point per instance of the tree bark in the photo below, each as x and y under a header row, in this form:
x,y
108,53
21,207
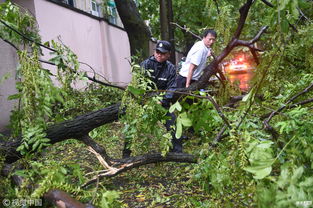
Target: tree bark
x,y
75,128
137,31
167,29
123,165
62,199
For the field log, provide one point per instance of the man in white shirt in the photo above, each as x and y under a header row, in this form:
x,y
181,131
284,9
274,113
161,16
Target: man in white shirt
x,y
196,59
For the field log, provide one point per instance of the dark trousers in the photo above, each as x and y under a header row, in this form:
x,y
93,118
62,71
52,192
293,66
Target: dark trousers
x,y
170,126
170,123
181,81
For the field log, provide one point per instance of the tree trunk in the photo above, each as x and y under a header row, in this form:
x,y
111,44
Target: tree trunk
x,y
138,33
167,29
62,199
76,128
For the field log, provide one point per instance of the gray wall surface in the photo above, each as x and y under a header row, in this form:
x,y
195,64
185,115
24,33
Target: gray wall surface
x,y
8,64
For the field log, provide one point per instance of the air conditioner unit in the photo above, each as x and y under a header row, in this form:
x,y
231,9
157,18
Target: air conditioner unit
x,y
95,13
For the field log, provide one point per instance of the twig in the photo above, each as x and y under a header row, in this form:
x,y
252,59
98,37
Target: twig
x,y
250,43
94,195
301,103
94,71
218,137
216,4
302,14
267,3
27,38
185,29
102,160
288,107
85,75
289,101
98,149
244,10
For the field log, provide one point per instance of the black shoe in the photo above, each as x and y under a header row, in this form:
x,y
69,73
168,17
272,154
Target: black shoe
x,y
126,153
177,146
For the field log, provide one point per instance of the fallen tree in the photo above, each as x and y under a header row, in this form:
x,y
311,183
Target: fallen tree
x,y
241,160
79,127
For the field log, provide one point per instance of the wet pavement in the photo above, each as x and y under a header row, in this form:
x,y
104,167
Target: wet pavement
x,y
242,79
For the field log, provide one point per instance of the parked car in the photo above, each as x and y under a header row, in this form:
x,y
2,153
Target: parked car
x,y
237,65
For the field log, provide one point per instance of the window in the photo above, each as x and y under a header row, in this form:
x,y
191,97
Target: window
x,y
95,9
112,13
69,2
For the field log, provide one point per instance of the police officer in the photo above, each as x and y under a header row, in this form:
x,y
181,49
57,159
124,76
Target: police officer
x,y
163,74
162,71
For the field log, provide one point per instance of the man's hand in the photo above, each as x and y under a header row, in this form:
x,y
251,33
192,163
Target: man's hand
x,y
192,67
211,53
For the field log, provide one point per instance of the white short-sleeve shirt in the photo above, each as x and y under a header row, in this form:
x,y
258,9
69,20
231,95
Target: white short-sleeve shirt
x,y
197,55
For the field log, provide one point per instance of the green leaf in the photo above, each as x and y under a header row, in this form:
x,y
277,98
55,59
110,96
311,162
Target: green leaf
x,y
179,129
185,120
175,106
63,170
20,148
135,91
246,97
45,140
265,144
84,79
297,174
284,25
56,60
36,145
249,95
47,43
21,173
259,172
283,4
294,9
15,96
308,182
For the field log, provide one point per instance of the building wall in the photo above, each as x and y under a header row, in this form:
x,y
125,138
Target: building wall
x,y
99,44
8,60
102,46
116,54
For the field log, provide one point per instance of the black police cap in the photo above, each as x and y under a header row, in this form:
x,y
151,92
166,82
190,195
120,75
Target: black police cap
x,y
163,46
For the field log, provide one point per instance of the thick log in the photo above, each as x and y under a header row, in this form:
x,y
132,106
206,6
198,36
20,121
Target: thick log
x,y
123,165
75,129
62,199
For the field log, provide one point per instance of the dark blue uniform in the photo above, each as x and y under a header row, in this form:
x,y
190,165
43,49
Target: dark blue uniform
x,y
163,75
